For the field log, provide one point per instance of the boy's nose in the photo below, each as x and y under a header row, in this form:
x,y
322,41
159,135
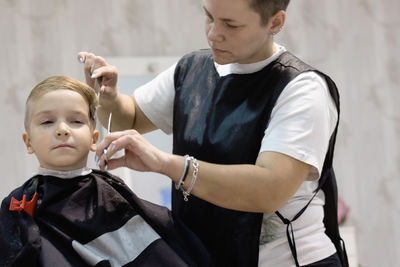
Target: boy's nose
x,y
62,129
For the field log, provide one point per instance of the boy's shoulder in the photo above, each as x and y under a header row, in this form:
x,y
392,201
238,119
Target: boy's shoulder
x,y
18,192
110,178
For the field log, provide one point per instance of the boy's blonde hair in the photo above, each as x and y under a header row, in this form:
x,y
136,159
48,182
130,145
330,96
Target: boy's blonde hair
x,y
54,83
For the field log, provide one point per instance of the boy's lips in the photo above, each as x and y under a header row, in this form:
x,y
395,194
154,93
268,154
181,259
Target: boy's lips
x,y
63,146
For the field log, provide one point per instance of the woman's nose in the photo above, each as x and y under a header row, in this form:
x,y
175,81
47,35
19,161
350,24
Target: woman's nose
x,y
213,33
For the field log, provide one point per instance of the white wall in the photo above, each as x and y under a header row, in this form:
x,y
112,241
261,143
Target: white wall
x,y
355,41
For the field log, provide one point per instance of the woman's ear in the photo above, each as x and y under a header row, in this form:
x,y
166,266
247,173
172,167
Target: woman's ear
x,y
95,137
28,144
277,21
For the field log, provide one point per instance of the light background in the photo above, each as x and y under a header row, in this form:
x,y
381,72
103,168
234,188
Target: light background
x,y
355,41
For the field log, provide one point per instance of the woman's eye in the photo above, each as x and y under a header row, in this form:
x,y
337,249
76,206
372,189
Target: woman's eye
x,y
231,26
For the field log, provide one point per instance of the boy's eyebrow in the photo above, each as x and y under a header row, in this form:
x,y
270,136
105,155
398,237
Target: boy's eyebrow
x,y
45,112
210,16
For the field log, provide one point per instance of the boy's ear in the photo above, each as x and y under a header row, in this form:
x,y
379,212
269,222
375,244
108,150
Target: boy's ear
x,y
95,137
27,141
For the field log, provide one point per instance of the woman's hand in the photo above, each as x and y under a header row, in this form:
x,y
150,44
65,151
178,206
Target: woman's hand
x,y
264,187
140,155
96,67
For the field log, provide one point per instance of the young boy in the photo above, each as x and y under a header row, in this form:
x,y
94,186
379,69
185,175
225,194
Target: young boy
x,y
70,215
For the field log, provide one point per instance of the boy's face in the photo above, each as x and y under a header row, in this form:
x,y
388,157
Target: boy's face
x,y
60,133
234,32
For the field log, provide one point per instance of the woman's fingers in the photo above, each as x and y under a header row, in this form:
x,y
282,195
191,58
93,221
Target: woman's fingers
x,y
113,163
91,63
99,75
105,143
139,155
98,61
82,57
114,142
109,77
87,59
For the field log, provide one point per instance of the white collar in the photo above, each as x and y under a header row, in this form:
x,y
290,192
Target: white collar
x,y
65,174
236,68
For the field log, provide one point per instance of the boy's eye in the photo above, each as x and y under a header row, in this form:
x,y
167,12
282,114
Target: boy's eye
x,y
77,121
46,122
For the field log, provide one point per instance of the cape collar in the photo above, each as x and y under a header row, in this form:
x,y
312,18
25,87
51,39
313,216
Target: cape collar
x,y
65,174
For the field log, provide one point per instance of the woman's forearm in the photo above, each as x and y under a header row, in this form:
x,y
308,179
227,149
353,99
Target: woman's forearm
x,y
254,188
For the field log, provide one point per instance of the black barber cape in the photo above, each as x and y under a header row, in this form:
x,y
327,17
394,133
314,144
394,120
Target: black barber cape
x,y
91,220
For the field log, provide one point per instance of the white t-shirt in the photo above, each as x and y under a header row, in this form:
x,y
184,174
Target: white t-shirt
x,y
300,126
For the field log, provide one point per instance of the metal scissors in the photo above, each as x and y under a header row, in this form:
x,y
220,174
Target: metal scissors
x,y
97,87
108,131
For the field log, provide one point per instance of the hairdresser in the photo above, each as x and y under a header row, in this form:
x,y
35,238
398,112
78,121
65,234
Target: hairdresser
x,y
251,127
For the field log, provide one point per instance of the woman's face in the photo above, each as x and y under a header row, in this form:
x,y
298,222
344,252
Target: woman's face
x,y
234,32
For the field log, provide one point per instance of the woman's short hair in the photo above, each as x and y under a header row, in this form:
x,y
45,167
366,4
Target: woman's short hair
x,y
268,8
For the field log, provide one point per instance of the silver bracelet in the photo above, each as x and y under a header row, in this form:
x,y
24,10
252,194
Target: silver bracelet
x,y
185,172
194,178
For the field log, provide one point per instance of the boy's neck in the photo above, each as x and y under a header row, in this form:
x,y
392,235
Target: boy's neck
x,y
65,174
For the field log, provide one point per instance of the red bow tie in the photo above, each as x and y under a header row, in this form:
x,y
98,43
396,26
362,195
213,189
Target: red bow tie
x,y
28,206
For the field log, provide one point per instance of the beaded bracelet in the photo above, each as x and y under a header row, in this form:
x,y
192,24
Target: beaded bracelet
x,y
194,178
185,172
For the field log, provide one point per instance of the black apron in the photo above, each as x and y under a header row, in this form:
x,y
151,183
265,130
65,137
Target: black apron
x,y
222,120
